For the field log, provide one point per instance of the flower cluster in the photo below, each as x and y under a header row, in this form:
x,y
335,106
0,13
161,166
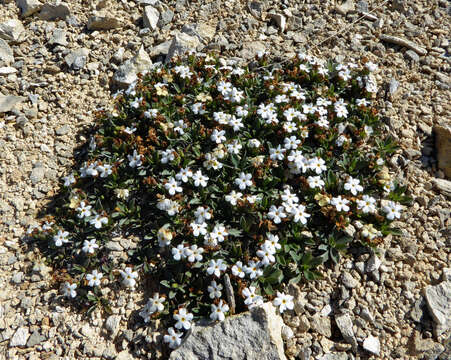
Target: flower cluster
x,y
227,176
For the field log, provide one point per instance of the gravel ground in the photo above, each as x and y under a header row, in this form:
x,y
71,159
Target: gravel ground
x,y
381,295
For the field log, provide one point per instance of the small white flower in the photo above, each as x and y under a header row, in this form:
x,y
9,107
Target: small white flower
x,y
164,236
219,233
218,136
214,290
393,210
353,185
98,221
174,338
243,180
184,174
266,253
284,302
292,143
252,299
128,277
202,213
61,238
367,204
276,214
69,180
155,304
89,246
84,210
315,182
178,253
199,228
234,147
134,160
237,270
299,214
199,179
254,143
94,278
69,290
217,311
194,253
215,267
318,165
167,156
173,186
183,319
253,270
233,197
276,153
340,203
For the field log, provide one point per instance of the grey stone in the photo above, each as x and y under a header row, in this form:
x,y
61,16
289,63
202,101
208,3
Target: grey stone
x,y
251,48
438,299
160,49
417,313
344,323
103,21
112,325
256,9
204,32
8,102
124,355
165,17
7,70
280,21
373,263
399,5
287,332
6,53
426,348
305,353
321,325
348,280
37,174
181,44
347,6
77,58
372,345
446,276
114,246
35,339
54,10
20,337
62,130
151,17
17,277
366,314
58,37
28,7
251,335
442,134
444,186
412,55
362,6
334,356
12,31
126,74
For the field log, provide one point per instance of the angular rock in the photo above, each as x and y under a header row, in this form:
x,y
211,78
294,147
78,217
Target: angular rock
x,y
256,9
12,31
444,186
54,10
348,280
37,174
443,146
112,325
58,37
7,70
7,102
251,48
103,21
160,49
344,323
425,348
203,31
35,339
77,59
334,356
151,17
321,325
6,53
372,345
28,7
166,17
251,335
126,74
181,44
373,263
280,21
438,299
20,337
347,6
412,55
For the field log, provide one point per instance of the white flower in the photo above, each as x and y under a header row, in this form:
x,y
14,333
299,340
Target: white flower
x,y
234,147
155,304
218,136
69,290
199,179
284,302
151,113
105,170
94,278
253,270
136,102
173,186
353,185
371,66
69,180
128,277
194,253
237,270
199,229
184,174
60,238
254,143
202,213
318,165
276,153
367,204
89,246
219,233
242,111
134,160
233,197
217,311
98,221
369,231
215,267
276,214
178,253
290,127
164,236
130,130
167,156
174,338
299,214
183,319
340,203
292,143
243,180
393,210
122,193
84,210
266,253
214,290
362,102
315,182
252,299
289,196
235,123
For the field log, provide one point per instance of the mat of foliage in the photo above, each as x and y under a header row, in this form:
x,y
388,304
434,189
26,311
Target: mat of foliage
x,y
224,173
